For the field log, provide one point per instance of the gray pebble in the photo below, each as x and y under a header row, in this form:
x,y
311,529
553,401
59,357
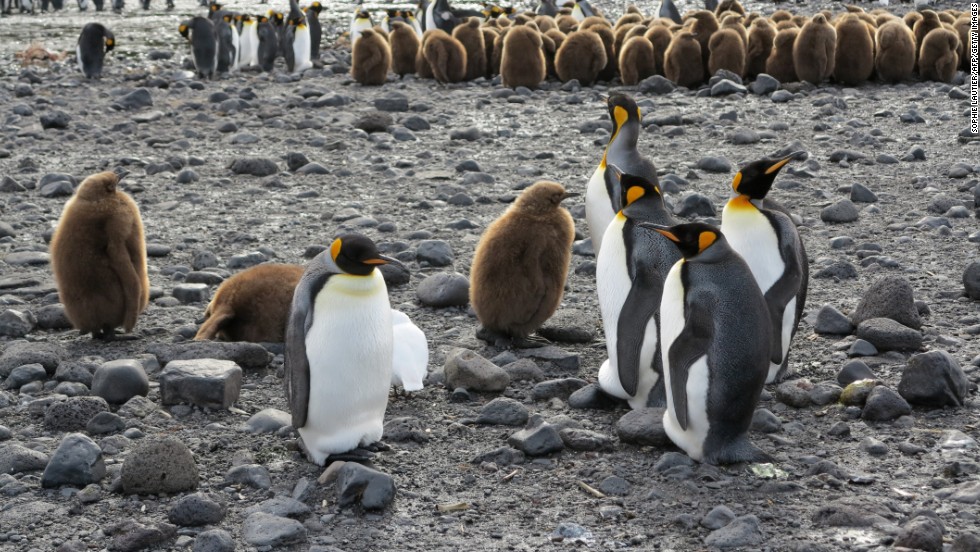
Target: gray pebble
x,y
656,84
55,119
195,510
832,321
15,459
825,393
537,438
934,379
841,212
924,532
268,420
715,164
764,84
874,447
615,485
363,486
18,353
643,426
104,423
971,278
264,530
23,375
742,532
592,397
136,99
469,134
118,381
861,194
404,429
726,87
888,297
467,369
560,388
16,323
444,290
208,383
503,411
584,439
718,517
765,421
434,253
191,293
861,348
214,540
793,393
695,204
254,166
159,465
888,335
282,506
884,405
253,475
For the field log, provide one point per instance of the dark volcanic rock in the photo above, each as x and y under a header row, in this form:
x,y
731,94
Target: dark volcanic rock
x,y
77,461
537,438
884,405
889,335
444,290
934,379
254,166
643,426
156,466
250,356
888,297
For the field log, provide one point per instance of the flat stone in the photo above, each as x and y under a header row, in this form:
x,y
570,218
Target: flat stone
x,y
253,475
77,462
363,486
764,421
136,99
118,381
15,458
471,371
742,532
594,398
404,429
537,438
250,356
208,383
560,388
159,465
444,289
643,426
264,530
584,439
268,420
282,506
888,335
503,411
191,293
132,536
195,510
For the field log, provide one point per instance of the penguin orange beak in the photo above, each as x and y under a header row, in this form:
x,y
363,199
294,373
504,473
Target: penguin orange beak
x,y
383,260
665,230
782,162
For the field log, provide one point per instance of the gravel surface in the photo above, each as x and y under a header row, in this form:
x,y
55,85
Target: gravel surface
x,y
256,167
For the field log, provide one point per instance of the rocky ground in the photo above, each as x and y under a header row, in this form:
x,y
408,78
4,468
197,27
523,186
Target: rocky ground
x,y
889,190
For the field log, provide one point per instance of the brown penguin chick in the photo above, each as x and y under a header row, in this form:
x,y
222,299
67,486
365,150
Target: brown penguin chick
x,y
490,35
780,63
404,48
780,15
789,24
930,20
98,257
370,59
594,20
962,27
637,30
727,52
554,39
855,61
498,50
761,37
522,62
729,5
470,36
851,8
882,18
252,305
628,17
939,57
705,25
581,56
814,50
911,18
445,55
605,33
894,51
566,23
619,36
800,20
947,18
423,69
734,22
752,16
545,23
519,266
659,36
637,61
681,61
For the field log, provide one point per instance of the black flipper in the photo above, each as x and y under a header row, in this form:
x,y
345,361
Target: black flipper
x,y
691,344
787,286
297,365
641,305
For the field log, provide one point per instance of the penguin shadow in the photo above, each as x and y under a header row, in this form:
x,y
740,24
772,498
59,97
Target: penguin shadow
x,y
361,455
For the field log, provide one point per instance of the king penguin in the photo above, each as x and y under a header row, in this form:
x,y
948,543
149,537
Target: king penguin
x,y
93,44
249,41
301,46
268,38
339,349
765,236
204,44
361,21
316,30
602,195
714,347
630,276
411,353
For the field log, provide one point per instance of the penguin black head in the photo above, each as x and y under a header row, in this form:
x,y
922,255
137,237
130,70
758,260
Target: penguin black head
x,y
634,187
277,17
755,179
184,29
692,238
110,41
357,255
622,108
362,14
214,6
316,7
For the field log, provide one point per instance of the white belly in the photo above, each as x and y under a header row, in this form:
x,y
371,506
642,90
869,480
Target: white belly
x,y
411,353
301,49
692,439
349,347
598,208
236,43
786,334
78,57
613,286
430,18
355,30
751,236
250,45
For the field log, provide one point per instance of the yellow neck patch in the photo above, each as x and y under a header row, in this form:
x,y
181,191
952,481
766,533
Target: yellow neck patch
x,y
335,249
621,116
633,194
705,240
737,180
741,201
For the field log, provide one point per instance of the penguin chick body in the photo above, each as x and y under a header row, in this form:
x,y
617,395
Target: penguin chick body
x,y
522,60
404,48
94,43
780,63
339,349
98,257
371,58
411,353
714,347
581,56
630,273
637,60
727,51
602,196
520,263
938,57
470,36
762,35
204,44
814,50
445,55
252,305
682,61
855,58
768,241
660,37
894,52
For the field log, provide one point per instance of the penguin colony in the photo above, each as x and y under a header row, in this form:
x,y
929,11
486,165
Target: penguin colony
x,y
697,318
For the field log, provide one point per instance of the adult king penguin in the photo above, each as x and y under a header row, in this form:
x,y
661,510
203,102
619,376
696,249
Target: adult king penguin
x,y
204,43
249,41
361,21
339,349
602,195
630,281
715,347
93,44
765,236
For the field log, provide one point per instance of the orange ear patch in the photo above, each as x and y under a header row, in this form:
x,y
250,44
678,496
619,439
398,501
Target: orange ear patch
x,y
634,193
737,180
335,249
705,240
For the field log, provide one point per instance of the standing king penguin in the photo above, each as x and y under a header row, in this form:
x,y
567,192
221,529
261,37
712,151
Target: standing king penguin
x,y
249,41
98,256
762,232
204,44
339,349
715,347
361,21
602,195
93,44
630,276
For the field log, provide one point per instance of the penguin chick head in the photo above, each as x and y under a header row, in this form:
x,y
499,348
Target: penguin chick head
x,y
755,179
98,186
691,238
357,255
542,197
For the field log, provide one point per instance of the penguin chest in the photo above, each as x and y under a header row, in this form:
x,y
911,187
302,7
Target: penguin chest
x,y
613,286
598,206
753,237
349,350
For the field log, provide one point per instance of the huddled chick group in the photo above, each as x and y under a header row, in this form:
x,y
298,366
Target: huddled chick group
x,y
526,48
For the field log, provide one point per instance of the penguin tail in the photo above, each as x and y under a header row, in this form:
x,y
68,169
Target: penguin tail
x,y
213,325
738,451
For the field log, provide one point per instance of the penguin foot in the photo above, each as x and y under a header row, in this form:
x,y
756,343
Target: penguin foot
x,y
504,341
376,446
